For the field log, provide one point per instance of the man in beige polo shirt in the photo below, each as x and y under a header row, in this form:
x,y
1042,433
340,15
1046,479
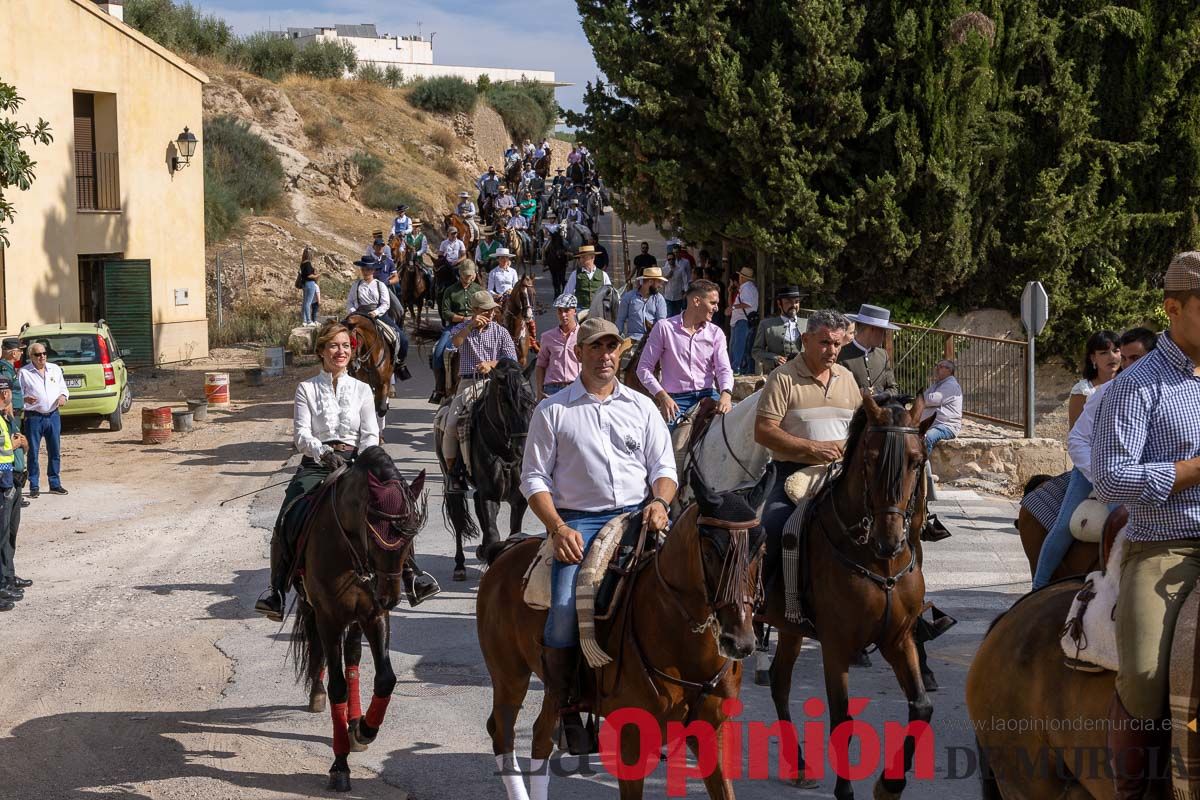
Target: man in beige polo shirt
x,y
804,412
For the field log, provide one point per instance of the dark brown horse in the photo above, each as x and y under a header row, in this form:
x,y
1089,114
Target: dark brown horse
x,y
512,174
413,290
353,548
499,424
542,165
558,258
862,581
1081,559
629,376
464,231
676,650
516,316
372,361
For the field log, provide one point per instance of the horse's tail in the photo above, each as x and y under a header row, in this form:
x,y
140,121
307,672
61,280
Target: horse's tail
x,y
458,517
307,656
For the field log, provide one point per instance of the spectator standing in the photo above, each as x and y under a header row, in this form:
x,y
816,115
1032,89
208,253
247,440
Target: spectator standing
x,y
557,361
45,392
944,402
12,478
778,339
864,355
307,280
643,260
743,320
601,253
1101,361
679,277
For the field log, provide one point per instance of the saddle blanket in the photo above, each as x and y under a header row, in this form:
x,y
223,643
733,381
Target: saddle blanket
x,y
1090,632
1043,502
801,487
537,589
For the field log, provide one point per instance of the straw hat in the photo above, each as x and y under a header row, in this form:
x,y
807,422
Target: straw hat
x,y
585,250
652,274
747,273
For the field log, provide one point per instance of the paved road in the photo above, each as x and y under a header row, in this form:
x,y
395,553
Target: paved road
x,y
609,231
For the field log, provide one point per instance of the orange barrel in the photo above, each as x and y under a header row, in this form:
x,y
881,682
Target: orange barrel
x,y
156,425
216,389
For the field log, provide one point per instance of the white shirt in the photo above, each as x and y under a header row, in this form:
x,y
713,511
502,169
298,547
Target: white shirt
x,y
323,415
42,390
1079,440
596,455
452,249
678,278
465,209
502,281
373,296
570,287
747,293
944,399
402,225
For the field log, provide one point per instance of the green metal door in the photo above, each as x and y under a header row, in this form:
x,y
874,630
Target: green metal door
x,y
127,309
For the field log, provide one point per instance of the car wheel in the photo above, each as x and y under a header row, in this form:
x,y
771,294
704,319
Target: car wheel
x,y
127,400
114,420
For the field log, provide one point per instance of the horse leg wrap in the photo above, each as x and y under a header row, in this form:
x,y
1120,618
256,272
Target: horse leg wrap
x,y
354,702
539,779
341,734
510,774
377,709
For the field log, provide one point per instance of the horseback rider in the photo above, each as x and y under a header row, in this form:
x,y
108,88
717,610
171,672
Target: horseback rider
x,y
587,278
415,247
503,278
559,177
480,342
865,356
401,225
575,214
1146,455
452,249
485,251
372,298
643,305
455,307
778,338
592,451
529,207
557,363
489,184
693,356
465,208
505,202
385,270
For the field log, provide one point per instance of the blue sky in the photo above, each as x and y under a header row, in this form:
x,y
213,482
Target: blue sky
x,y
477,33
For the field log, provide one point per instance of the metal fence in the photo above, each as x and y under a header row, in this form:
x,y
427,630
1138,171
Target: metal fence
x,y
992,371
97,181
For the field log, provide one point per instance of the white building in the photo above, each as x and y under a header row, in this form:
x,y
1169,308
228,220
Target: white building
x,y
413,55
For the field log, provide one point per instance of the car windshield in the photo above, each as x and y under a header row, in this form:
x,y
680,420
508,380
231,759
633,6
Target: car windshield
x,y
69,348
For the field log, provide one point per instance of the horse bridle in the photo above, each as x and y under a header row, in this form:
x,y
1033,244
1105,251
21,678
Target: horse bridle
x,y
362,569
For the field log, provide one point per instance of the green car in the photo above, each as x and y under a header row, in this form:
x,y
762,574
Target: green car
x,y
92,367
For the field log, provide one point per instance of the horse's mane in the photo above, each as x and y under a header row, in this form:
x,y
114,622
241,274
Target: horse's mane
x,y
376,461
892,458
510,388
858,424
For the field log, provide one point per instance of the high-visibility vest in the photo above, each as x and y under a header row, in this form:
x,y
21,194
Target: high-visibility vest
x,y
6,445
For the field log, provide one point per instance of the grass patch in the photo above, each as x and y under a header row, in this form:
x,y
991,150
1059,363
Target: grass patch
x,y
445,139
527,108
447,95
257,320
380,193
368,164
241,172
321,132
447,166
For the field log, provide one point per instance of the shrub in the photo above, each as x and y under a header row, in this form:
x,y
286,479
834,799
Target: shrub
x,y
267,56
320,132
527,108
446,94
261,320
447,166
322,59
371,73
368,164
382,194
241,171
483,84
444,138
181,28
393,77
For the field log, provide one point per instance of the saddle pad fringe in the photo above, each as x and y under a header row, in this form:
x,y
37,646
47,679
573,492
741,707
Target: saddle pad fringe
x,y
591,573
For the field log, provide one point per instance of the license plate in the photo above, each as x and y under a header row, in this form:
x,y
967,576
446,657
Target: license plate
x,y
74,381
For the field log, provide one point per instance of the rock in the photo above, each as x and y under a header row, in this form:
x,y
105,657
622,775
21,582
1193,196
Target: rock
x,y
746,385
1003,463
302,340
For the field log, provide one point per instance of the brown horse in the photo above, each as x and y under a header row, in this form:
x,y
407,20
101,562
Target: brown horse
x,y
515,245
412,291
542,165
516,316
629,376
372,361
1081,559
352,552
861,582
464,231
676,646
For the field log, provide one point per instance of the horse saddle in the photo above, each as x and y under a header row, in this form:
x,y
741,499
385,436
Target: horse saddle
x,y
1089,635
1087,522
785,552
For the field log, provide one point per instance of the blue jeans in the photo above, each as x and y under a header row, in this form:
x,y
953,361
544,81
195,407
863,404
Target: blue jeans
x,y
562,628
48,427
739,347
310,296
439,352
1058,539
936,434
685,401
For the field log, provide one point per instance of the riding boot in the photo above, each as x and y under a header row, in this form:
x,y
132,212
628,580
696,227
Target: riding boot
x,y
419,585
560,667
270,603
1135,751
456,479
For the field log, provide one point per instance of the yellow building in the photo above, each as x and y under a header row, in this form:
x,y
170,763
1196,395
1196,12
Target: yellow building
x,y
113,226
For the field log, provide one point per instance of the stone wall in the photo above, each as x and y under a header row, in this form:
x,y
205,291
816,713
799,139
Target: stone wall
x,y
997,465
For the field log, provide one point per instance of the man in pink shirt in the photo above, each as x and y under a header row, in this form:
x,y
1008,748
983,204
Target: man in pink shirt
x,y
692,353
557,363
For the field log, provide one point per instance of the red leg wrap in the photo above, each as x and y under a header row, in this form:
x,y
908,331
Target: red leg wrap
x,y
341,736
377,709
354,701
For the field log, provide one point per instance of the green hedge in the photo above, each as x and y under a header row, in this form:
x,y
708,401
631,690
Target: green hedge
x,y
241,171
447,95
527,108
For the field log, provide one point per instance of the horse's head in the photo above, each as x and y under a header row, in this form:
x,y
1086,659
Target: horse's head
x,y
512,400
393,513
885,462
731,540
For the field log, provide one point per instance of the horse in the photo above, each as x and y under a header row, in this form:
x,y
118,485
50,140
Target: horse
x,y
513,173
500,422
515,244
542,165
606,302
412,291
1081,558
372,361
629,375
397,248
465,231
593,205
576,172
861,583
516,316
676,644
557,258
352,550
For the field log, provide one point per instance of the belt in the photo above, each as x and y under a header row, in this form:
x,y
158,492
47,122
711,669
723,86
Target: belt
x,y
341,447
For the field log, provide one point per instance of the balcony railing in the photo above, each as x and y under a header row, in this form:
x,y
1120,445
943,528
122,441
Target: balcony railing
x,y
97,181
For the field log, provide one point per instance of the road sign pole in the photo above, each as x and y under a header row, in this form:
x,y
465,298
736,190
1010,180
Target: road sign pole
x,y
1035,311
1030,393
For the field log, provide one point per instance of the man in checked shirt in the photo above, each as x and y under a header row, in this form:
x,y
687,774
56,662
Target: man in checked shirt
x,y
1146,455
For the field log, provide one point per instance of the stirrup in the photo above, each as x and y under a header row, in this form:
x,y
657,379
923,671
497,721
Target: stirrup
x,y
270,605
420,587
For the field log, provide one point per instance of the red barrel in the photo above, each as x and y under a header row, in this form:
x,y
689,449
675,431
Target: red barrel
x,y
156,425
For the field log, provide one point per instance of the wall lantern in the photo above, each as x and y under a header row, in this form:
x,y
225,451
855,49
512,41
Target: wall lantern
x,y
185,143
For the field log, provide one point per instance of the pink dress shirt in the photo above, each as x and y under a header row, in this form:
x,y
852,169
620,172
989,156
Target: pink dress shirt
x,y
557,356
690,363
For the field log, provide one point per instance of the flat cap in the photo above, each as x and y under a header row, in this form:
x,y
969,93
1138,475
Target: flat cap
x,y
1184,273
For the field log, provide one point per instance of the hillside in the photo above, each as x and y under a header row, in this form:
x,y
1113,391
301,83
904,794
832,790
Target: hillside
x,y
323,130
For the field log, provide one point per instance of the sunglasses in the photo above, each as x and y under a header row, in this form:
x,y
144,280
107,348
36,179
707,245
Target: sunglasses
x,y
37,355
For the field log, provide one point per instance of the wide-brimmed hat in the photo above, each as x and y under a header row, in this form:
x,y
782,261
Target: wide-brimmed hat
x,y
791,292
416,222
451,230
483,301
651,274
585,250
875,316
747,273
367,262
487,230
575,201
12,342
401,209
463,194
1184,273
502,252
566,300
594,329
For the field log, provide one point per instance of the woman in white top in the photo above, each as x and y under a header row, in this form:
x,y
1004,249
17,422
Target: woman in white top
x,y
1101,360
334,418
503,277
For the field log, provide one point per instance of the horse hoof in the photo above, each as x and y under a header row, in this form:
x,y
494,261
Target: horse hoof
x,y
882,793
358,741
460,574
316,702
339,781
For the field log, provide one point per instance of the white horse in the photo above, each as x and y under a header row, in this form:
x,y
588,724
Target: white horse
x,y
726,457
